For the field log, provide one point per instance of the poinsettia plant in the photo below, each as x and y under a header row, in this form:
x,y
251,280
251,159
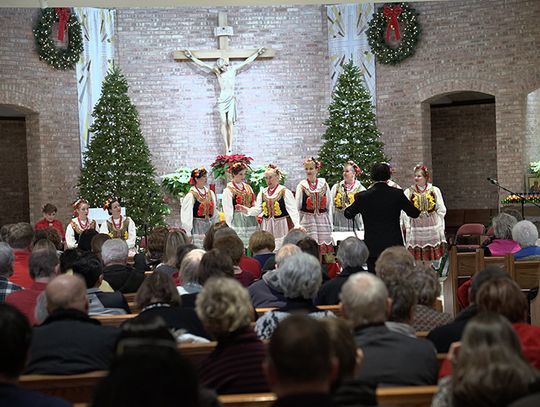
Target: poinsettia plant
x,y
176,184
220,167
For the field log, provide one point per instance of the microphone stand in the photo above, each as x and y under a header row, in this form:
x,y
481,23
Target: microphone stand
x,y
521,196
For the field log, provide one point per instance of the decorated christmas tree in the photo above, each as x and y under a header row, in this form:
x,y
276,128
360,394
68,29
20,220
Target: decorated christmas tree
x,y
118,161
352,132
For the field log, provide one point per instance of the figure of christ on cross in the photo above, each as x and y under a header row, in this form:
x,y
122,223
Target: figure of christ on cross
x,y
226,75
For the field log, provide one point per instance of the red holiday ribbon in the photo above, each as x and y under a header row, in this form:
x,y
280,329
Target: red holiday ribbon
x,y
392,13
63,17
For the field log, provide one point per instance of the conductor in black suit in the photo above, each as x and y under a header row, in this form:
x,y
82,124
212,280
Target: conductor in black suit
x,y
380,207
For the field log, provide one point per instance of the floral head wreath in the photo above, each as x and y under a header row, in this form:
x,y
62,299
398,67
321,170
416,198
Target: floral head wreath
x,y
108,202
197,173
274,168
423,168
236,167
357,170
318,164
78,202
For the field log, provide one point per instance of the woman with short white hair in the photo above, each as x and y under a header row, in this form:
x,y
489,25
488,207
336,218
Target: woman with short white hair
x,y
526,234
300,278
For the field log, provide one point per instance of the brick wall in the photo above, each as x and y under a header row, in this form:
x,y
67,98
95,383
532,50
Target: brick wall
x,y
483,46
463,156
13,172
480,46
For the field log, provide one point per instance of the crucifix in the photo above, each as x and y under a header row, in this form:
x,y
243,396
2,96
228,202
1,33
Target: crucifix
x,y
225,73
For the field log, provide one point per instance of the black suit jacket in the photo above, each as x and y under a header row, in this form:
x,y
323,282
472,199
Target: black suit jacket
x,y
381,206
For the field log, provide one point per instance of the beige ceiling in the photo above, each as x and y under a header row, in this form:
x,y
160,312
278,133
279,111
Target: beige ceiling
x,y
167,3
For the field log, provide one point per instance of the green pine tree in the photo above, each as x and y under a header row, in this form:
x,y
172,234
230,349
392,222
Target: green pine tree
x,y
352,132
117,161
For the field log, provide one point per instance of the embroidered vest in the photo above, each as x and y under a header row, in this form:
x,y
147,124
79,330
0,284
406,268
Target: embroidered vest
x,y
203,206
77,231
314,201
245,197
121,233
425,201
274,207
344,198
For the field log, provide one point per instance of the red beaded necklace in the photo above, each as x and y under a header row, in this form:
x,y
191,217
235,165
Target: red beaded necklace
x,y
270,192
421,190
349,187
313,185
202,194
237,187
83,226
117,225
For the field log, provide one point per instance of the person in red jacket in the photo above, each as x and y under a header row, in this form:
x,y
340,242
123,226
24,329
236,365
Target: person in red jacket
x,y
49,220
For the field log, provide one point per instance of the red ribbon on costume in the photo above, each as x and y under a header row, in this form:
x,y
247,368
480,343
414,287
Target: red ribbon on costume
x,y
63,17
392,13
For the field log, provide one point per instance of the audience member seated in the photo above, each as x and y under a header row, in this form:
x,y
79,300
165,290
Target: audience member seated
x,y
208,242
85,240
117,273
97,244
403,296
490,369
155,248
67,259
14,344
301,366
300,278
180,254
90,269
503,296
526,234
4,232
443,336
213,264
502,242
20,237
158,296
346,390
390,358
44,244
529,401
148,370
246,264
293,237
427,287
49,221
6,271
235,366
351,255
175,239
44,266
262,245
50,234
394,260
233,247
267,292
69,341
189,272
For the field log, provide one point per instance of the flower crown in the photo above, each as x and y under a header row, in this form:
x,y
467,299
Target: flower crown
x,y
237,167
80,200
318,164
197,173
274,168
108,202
357,170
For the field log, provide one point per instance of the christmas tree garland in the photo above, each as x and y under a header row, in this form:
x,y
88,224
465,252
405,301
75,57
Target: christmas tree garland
x,y
399,20
60,58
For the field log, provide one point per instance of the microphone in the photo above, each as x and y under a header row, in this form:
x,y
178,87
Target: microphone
x,y
493,181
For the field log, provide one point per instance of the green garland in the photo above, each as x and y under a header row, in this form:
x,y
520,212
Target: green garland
x,y
60,58
410,32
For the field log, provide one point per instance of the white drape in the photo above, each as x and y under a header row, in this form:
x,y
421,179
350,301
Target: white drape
x,y
98,37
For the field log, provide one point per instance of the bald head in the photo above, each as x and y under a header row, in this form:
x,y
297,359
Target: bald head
x,y
66,292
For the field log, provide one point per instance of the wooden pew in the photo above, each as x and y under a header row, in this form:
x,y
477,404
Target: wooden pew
x,y
527,274
113,320
336,309
462,265
417,396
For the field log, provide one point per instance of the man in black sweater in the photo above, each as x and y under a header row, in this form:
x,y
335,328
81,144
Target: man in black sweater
x,y
380,207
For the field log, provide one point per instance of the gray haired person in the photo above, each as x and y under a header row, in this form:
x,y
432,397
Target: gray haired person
x,y
117,273
300,278
351,256
6,271
502,243
427,287
526,234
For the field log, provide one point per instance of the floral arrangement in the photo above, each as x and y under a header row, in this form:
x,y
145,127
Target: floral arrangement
x,y
176,184
516,199
220,167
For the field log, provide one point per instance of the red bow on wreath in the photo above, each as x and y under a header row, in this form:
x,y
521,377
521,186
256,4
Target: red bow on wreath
x,y
63,17
392,13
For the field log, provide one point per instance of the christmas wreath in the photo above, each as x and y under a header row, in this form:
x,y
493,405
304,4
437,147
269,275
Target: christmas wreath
x,y
393,32
60,58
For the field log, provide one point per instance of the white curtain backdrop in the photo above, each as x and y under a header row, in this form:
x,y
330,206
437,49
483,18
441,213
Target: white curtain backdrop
x,y
98,37
347,38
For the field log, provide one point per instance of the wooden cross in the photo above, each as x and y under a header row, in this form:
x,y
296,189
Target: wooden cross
x,y
222,32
